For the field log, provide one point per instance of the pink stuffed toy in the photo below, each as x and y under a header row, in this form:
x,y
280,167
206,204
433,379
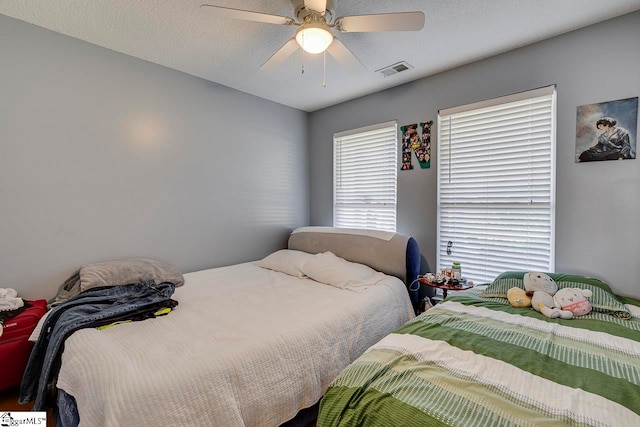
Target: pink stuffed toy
x,y
573,300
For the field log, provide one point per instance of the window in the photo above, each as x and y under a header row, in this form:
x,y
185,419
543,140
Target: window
x,y
496,185
364,177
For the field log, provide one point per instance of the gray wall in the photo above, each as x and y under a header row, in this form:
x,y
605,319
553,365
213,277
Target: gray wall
x,y
598,204
104,156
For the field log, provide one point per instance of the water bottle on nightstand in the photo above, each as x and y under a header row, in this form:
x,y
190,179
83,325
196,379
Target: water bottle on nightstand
x,y
456,271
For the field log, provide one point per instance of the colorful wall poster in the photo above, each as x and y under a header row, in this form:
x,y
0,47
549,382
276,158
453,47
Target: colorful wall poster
x,y
423,151
607,130
410,139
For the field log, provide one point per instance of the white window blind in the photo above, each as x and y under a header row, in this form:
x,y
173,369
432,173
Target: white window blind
x,y
365,177
496,185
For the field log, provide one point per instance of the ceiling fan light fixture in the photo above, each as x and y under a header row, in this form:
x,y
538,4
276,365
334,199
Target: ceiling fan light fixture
x,y
314,37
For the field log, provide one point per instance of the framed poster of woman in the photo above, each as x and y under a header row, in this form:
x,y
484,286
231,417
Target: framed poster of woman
x,y
607,130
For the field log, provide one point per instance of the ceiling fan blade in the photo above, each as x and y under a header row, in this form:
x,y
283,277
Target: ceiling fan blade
x,y
316,5
401,21
344,56
245,15
280,55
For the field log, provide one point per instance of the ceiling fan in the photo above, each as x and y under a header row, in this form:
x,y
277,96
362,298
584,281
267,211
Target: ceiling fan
x,y
315,24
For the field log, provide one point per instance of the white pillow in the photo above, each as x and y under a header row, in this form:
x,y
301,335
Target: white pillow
x,y
335,271
286,261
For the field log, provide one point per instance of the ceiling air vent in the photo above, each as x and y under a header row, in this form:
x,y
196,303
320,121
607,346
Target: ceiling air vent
x,y
396,68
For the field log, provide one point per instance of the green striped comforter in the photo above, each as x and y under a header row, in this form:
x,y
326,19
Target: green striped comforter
x,y
474,361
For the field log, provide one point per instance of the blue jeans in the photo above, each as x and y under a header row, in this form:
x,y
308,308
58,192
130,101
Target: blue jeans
x,y
89,309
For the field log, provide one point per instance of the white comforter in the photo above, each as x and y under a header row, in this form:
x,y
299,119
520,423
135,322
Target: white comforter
x,y
245,346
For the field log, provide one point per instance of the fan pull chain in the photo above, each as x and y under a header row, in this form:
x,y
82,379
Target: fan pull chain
x,y
302,53
324,69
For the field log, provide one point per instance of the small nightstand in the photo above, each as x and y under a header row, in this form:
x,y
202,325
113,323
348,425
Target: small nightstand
x,y
445,287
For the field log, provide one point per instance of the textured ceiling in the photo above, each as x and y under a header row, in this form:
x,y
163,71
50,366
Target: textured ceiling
x,y
178,35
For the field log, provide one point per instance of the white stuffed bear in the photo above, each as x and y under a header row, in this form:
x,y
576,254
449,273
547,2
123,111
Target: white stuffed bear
x,y
573,300
542,288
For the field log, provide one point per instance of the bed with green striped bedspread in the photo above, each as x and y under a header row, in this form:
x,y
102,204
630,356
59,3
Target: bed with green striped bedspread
x,y
474,361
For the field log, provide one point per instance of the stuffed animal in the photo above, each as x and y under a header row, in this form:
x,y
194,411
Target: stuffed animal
x,y
518,297
574,300
541,288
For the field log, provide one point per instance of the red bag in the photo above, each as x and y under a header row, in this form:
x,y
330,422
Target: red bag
x,y
15,346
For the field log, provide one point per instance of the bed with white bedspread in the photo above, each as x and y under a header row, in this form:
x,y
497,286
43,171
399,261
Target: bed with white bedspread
x,y
248,344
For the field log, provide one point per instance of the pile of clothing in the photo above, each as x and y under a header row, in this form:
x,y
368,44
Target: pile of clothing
x,y
96,296
10,305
